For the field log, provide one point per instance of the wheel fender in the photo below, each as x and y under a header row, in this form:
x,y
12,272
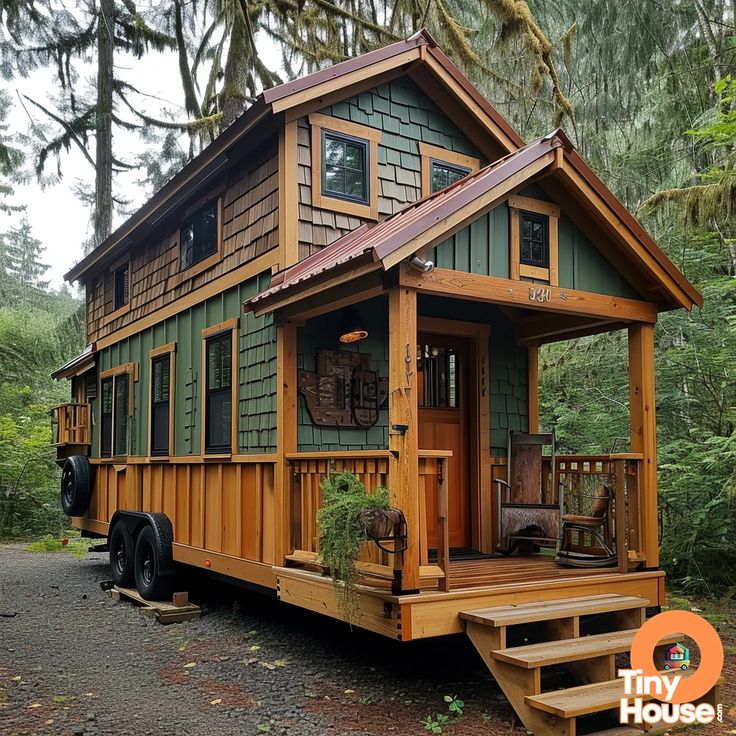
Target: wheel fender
x,y
162,529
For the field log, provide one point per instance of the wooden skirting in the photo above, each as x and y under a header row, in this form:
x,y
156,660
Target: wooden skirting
x,y
219,507
257,573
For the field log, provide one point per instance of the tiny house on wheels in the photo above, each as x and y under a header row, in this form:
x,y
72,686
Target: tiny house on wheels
x,y
357,276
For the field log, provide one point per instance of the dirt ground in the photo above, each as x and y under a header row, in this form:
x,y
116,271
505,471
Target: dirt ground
x,y
72,661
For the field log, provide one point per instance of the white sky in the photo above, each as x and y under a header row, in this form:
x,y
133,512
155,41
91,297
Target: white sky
x,y
57,218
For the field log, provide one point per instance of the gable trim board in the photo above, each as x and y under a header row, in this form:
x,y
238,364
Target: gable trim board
x,y
433,218
271,107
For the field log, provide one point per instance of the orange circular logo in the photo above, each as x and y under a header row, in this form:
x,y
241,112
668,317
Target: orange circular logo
x,y
692,686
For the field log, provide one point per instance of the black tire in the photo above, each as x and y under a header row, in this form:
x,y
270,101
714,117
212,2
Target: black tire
x,y
76,485
122,555
153,564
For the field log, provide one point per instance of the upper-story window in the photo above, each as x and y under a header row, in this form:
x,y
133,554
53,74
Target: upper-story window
x,y
442,167
344,167
199,236
534,239
344,161
122,286
444,174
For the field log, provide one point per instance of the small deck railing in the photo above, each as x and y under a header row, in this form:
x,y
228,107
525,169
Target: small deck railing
x,y
308,469
579,479
71,424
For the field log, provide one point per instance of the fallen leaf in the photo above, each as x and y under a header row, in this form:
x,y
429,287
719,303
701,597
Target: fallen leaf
x,y
17,678
348,691
189,665
273,665
89,695
35,705
216,701
49,722
253,648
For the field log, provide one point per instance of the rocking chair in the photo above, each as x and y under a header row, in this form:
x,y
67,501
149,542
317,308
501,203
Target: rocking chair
x,y
598,526
525,522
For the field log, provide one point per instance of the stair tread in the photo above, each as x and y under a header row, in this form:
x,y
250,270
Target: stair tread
x,y
587,699
619,731
525,613
560,651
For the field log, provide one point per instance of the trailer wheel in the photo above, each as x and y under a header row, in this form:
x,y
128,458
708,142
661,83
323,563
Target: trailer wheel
x,y
122,555
76,485
153,565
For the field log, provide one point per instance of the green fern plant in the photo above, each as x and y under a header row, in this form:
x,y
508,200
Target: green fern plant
x,y
343,527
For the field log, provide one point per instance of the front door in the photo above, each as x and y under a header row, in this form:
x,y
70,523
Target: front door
x,y
442,373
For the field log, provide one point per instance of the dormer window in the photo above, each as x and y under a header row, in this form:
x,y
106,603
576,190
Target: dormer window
x,y
443,175
344,162
199,236
344,167
534,240
442,167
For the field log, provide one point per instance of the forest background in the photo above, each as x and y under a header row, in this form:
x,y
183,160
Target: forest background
x,y
646,90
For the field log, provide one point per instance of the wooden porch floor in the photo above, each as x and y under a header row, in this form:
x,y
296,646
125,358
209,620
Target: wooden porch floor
x,y
502,571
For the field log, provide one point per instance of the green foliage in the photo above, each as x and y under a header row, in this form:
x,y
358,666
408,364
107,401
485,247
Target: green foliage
x,y
74,546
342,522
434,724
454,705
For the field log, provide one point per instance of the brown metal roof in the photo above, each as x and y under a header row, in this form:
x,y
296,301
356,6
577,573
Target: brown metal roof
x,y
84,360
387,236
213,160
376,242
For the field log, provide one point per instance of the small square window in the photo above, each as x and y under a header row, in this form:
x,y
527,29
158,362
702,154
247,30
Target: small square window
x,y
122,290
534,240
344,166
198,236
444,174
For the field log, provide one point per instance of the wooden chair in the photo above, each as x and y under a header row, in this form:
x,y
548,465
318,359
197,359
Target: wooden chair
x,y
525,521
598,526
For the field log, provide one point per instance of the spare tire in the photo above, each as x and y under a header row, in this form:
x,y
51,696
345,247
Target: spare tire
x,y
76,485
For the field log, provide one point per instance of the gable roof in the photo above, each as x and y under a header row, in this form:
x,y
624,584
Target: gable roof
x,y
433,218
420,50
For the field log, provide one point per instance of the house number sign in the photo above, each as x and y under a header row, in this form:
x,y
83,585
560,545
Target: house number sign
x,y
544,294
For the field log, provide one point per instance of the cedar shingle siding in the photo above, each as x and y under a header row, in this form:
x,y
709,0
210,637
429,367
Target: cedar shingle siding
x,y
407,117
249,228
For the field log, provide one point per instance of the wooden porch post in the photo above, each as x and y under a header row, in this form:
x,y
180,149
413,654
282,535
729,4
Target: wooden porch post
x,y
286,435
403,468
644,433
533,387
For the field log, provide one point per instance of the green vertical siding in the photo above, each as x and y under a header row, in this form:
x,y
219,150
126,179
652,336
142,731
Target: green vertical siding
x,y
256,375
322,333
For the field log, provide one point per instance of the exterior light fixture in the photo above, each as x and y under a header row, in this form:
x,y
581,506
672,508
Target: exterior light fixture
x,y
421,265
352,328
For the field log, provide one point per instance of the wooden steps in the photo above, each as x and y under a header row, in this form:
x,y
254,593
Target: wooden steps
x,y
559,646
548,654
165,612
586,699
571,607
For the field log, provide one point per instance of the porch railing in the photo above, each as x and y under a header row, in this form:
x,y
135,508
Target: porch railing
x,y
71,424
308,469
579,479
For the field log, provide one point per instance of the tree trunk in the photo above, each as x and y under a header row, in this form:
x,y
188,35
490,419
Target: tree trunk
x,y
103,121
710,39
236,72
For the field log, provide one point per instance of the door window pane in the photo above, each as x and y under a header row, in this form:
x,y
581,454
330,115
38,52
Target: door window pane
x,y
121,414
439,376
106,423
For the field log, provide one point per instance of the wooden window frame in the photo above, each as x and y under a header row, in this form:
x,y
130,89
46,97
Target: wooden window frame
x,y
208,261
170,350
371,137
430,154
518,205
109,273
231,326
126,268
132,371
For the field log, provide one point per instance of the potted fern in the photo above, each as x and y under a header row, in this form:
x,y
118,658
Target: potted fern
x,y
350,516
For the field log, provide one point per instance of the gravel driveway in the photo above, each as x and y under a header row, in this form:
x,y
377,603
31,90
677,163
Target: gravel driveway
x,y
72,661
